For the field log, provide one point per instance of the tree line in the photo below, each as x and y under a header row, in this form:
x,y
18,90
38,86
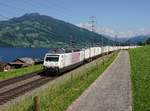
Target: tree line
x,y
147,42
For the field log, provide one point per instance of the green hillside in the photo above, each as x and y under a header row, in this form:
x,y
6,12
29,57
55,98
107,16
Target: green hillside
x,y
35,30
140,64
138,39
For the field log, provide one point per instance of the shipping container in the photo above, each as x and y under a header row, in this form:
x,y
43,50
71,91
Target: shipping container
x,y
87,53
75,57
92,52
82,55
67,59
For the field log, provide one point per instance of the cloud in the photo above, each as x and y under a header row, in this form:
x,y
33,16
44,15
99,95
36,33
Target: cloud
x,y
84,25
113,33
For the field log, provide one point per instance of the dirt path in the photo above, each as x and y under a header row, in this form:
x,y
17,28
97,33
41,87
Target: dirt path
x,y
111,91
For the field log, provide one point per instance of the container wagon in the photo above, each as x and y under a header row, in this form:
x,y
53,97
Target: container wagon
x,y
61,62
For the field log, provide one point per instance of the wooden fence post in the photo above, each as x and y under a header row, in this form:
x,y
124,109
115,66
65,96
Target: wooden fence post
x,y
87,72
36,103
71,77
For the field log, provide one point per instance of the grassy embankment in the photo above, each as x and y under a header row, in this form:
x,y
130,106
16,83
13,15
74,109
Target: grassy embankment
x,y
140,64
59,96
19,72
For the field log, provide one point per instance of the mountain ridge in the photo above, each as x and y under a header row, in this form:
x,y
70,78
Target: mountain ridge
x,y
35,30
138,39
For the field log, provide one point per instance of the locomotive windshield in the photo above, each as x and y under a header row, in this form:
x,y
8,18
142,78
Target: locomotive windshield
x,y
53,58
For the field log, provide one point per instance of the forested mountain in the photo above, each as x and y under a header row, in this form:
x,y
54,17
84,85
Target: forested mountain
x,y
35,30
138,39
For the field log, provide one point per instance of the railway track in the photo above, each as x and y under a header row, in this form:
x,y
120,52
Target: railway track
x,y
15,87
19,78
20,90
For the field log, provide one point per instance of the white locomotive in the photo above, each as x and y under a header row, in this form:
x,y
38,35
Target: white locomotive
x,y
61,62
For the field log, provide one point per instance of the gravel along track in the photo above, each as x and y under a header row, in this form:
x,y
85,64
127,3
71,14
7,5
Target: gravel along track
x,y
15,87
15,92
19,78
18,83
111,91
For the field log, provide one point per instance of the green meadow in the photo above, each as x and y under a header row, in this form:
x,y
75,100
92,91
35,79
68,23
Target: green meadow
x,y
140,65
19,72
59,96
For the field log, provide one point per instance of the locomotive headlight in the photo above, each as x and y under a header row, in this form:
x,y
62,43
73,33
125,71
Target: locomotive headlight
x,y
56,64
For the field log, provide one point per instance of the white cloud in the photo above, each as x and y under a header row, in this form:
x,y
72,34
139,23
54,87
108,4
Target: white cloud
x,y
86,25
113,33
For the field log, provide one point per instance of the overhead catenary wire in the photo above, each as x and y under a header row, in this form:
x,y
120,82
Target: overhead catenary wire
x,y
6,17
59,11
58,4
17,9
36,6
14,7
3,16
53,34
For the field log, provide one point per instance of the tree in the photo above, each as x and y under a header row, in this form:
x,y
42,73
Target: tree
x,y
1,66
148,41
140,43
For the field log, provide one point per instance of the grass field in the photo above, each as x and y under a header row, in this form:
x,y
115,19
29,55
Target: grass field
x,y
19,72
59,96
140,64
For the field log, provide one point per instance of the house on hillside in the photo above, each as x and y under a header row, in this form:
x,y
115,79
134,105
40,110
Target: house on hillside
x,y
18,63
38,61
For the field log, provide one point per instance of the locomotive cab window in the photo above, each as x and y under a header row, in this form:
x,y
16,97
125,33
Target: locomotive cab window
x,y
52,58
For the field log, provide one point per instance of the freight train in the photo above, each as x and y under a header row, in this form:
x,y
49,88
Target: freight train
x,y
61,62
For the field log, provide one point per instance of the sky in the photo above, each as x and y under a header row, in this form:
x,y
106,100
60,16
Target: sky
x,y
123,18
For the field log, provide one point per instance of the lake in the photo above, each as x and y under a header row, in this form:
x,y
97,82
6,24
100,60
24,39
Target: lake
x,y
10,54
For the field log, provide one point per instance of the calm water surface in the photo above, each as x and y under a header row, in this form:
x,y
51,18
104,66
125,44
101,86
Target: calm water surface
x,y
9,54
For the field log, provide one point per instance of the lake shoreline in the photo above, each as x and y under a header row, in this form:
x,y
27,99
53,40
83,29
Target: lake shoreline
x,y
8,54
